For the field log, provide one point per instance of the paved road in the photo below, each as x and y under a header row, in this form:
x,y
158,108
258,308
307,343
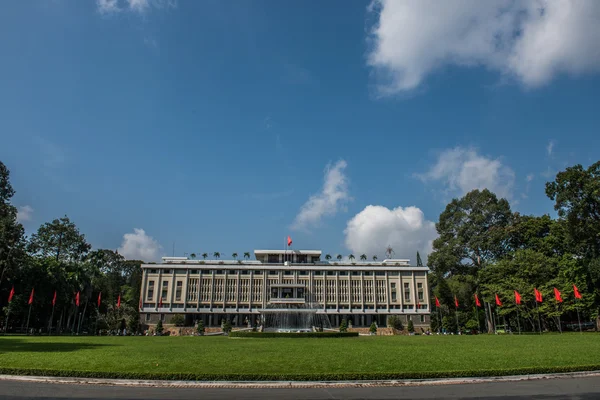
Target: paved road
x,y
554,389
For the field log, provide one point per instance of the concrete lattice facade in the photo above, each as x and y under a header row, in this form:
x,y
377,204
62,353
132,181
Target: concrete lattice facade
x,y
238,290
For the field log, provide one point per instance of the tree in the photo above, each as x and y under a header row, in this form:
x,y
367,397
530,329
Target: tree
x,y
472,232
60,239
374,258
235,256
217,255
12,244
344,325
159,327
339,257
227,327
200,329
328,257
193,256
246,255
204,255
363,257
178,320
373,328
419,261
395,322
351,257
411,326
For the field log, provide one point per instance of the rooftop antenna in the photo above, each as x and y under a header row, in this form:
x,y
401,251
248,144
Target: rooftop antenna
x,y
389,251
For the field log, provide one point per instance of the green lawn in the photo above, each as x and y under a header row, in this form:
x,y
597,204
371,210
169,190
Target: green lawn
x,y
342,358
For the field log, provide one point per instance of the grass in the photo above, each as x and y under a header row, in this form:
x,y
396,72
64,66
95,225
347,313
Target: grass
x,y
381,357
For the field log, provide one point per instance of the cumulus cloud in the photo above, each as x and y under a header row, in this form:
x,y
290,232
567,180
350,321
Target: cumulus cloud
x,y
139,246
463,170
530,40
139,6
405,229
332,197
24,213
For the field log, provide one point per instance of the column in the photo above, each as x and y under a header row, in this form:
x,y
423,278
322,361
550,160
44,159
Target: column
x,y
185,292
414,285
173,287
251,290
325,291
225,291
362,290
144,288
375,291
212,290
237,297
337,291
199,289
387,290
158,289
264,292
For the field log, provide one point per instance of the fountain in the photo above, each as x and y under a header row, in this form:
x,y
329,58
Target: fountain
x,y
288,311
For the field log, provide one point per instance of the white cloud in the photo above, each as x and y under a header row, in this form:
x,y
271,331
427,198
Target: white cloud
x,y
405,229
139,246
139,6
463,170
531,40
333,197
550,147
530,177
24,213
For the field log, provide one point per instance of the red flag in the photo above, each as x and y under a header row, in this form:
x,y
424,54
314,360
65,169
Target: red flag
x,y
31,297
160,302
455,301
576,291
437,302
11,294
54,299
498,302
517,297
477,302
99,299
77,299
538,295
119,302
289,241
557,295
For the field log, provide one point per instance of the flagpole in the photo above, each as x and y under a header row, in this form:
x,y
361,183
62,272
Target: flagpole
x,y
6,323
559,327
518,322
50,324
538,314
28,315
578,320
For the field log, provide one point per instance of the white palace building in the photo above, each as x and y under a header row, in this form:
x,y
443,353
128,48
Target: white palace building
x,y
241,291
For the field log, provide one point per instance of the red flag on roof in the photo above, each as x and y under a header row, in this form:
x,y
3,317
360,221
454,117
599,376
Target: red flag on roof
x,y
119,302
477,302
576,291
77,299
54,299
498,302
538,295
517,297
455,301
289,242
437,302
557,295
31,296
99,298
11,294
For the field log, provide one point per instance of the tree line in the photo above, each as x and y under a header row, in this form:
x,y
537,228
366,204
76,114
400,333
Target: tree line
x,y
58,259
485,248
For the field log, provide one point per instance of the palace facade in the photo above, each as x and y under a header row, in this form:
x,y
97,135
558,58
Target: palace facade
x,y
239,290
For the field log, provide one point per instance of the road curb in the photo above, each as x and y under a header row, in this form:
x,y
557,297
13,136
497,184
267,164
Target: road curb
x,y
290,384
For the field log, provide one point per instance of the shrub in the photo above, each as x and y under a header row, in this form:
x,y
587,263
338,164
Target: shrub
x,y
373,328
411,326
227,327
159,327
178,320
344,326
200,329
247,334
395,322
472,325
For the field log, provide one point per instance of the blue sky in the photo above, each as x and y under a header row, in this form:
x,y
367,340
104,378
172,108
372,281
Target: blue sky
x,y
227,126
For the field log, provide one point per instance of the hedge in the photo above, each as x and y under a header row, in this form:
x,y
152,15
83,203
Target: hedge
x,y
298,377
246,334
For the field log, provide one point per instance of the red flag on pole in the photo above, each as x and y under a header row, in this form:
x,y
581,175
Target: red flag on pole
x,y
77,299
437,302
517,297
557,295
31,297
538,295
455,301
119,302
160,302
54,299
477,302
576,291
11,294
99,298
498,302
289,241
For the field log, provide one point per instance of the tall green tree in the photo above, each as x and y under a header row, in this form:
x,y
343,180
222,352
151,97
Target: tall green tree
x,y
419,261
60,239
